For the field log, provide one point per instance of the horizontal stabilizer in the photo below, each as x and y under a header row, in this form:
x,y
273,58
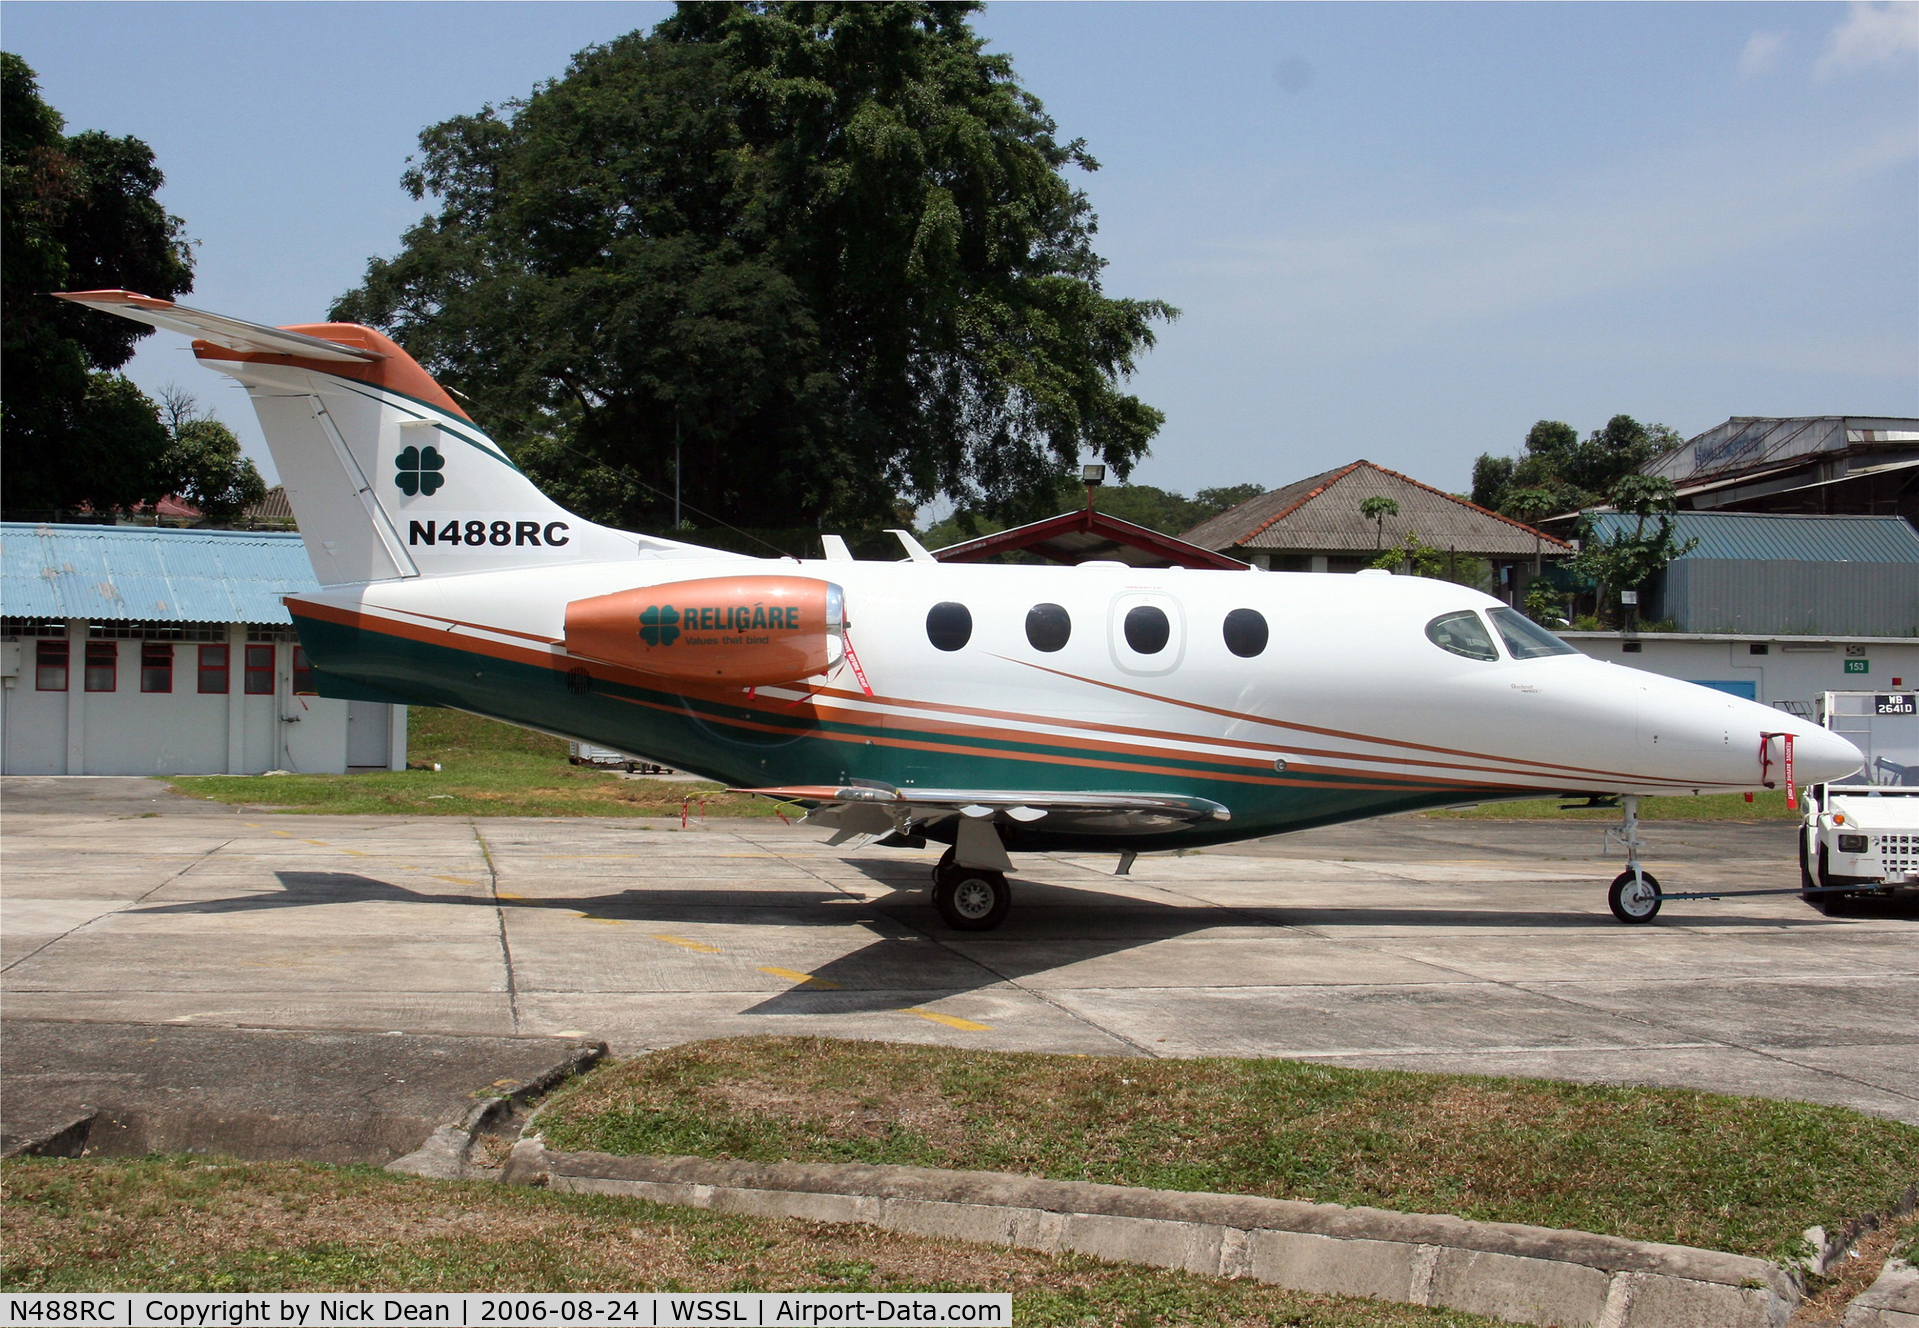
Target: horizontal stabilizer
x,y
232,333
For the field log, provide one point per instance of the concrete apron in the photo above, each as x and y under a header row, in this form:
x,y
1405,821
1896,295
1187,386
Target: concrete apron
x,y
1503,1270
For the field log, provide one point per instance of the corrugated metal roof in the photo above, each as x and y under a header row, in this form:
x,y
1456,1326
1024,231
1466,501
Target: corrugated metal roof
x,y
1810,539
142,574
1321,514
1748,443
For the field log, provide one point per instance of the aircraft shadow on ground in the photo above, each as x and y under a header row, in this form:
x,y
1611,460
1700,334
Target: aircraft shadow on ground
x,y
913,954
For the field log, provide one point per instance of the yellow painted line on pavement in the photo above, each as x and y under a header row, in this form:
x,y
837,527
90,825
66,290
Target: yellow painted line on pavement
x,y
457,880
964,1025
804,979
500,893
690,945
319,842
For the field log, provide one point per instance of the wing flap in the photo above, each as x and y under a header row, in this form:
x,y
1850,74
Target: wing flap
x,y
1120,812
232,333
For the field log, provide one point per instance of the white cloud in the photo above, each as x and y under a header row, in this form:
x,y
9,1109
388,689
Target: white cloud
x,y
1873,34
1762,53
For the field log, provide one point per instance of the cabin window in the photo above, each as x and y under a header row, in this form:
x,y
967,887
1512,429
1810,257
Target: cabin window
x,y
50,666
1526,639
1147,629
1463,634
156,666
302,674
103,665
259,671
949,626
213,670
1245,632
1048,627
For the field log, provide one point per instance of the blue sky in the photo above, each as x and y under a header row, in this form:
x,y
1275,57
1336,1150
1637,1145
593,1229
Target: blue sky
x,y
1397,232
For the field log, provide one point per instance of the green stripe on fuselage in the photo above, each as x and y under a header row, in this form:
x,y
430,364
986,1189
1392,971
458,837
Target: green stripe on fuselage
x,y
714,739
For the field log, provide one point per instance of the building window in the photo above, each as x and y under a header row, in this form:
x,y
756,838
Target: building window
x,y
103,666
213,670
156,666
302,673
50,666
259,670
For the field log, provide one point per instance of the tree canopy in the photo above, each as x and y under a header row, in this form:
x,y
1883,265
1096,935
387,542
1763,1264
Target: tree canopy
x,y
80,213
825,253
1556,471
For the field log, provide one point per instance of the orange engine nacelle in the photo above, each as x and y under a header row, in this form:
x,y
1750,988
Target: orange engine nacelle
x,y
745,631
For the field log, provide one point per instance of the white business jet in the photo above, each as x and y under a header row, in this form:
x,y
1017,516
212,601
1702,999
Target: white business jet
x,y
990,708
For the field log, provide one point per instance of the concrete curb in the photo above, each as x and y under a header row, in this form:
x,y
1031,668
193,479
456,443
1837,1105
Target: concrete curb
x,y
65,1139
1503,1270
1890,1302
448,1152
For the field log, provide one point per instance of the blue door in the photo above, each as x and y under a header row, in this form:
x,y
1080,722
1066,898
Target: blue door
x,y
1749,690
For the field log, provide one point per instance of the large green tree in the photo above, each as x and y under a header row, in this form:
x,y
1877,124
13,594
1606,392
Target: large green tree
x,y
826,253
80,213
1572,473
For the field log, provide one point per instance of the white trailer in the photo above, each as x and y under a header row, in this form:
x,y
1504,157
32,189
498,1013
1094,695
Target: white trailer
x,y
1860,835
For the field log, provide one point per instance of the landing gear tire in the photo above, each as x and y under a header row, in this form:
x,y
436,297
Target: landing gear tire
x,y
945,867
1829,904
972,900
1632,901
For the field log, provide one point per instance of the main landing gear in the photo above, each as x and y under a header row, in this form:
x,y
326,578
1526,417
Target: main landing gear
x,y
1634,895
970,898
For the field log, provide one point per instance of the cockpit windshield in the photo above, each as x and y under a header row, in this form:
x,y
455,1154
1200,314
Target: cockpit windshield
x,y
1524,638
1463,634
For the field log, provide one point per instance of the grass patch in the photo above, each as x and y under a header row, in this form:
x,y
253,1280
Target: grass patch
x,y
1745,1175
193,1224
1769,805
487,769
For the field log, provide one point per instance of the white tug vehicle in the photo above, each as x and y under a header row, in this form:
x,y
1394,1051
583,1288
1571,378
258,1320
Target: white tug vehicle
x,y
1861,835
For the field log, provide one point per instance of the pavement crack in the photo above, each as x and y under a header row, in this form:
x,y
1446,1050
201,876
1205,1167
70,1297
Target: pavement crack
x,y
499,917
99,917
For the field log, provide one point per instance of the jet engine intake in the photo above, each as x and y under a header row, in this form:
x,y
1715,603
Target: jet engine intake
x,y
743,631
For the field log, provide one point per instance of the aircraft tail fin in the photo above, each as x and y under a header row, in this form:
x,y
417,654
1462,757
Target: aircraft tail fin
x,y
386,474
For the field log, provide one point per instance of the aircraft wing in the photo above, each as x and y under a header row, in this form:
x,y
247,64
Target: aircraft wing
x,y
232,333
871,810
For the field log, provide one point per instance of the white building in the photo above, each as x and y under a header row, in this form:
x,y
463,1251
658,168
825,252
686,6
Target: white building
x,y
135,651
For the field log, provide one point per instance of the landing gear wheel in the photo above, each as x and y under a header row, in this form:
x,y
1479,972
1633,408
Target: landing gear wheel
x,y
972,900
945,866
1634,900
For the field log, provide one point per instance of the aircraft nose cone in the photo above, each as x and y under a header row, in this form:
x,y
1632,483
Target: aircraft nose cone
x,y
1819,755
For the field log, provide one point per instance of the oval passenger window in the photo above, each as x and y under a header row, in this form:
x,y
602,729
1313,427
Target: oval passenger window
x,y
1463,634
949,626
1147,629
1245,632
1048,627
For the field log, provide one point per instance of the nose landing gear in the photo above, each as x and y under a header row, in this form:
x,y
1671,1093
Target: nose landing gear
x,y
1634,895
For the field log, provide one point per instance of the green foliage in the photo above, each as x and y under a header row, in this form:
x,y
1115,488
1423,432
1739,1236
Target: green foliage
x,y
80,213
1410,555
203,461
1544,604
1557,472
1629,559
1376,509
828,248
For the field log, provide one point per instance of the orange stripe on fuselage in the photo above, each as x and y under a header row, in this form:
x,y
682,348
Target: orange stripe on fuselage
x,y
551,659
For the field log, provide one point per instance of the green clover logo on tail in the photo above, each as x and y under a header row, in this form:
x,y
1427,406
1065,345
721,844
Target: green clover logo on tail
x,y
660,625
420,469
